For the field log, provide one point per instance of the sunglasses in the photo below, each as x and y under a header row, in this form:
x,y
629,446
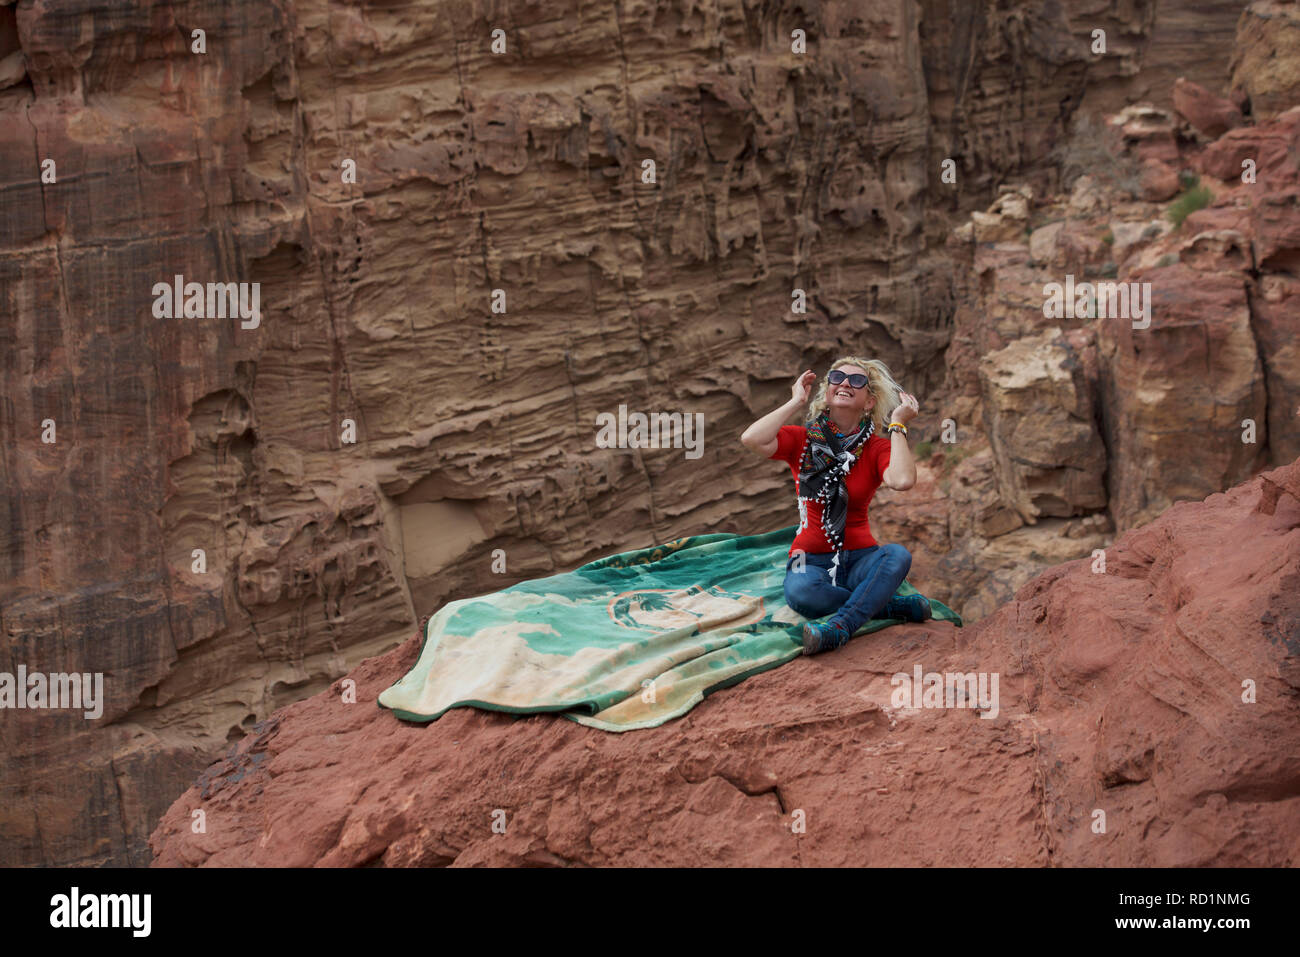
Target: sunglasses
x,y
837,376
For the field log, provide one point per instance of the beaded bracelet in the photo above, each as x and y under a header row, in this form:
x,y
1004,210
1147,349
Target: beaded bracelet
x,y
896,427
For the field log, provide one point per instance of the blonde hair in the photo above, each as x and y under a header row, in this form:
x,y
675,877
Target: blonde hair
x,y
879,380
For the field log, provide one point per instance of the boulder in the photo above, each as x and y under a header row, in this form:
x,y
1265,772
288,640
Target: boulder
x,y
1040,417
1131,236
1042,243
1158,181
1209,114
1007,219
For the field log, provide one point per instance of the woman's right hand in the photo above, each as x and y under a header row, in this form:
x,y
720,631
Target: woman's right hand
x,y
801,391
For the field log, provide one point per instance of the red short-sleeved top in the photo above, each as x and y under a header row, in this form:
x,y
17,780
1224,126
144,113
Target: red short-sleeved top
x,y
862,481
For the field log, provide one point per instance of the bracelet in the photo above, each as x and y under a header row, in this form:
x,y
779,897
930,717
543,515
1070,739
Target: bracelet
x,y
896,427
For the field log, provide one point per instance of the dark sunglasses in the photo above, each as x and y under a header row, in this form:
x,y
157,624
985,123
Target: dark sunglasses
x,y
837,376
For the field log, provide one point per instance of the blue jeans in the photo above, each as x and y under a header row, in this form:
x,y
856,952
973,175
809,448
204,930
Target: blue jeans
x,y
865,581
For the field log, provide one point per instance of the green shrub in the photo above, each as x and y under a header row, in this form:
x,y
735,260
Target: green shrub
x,y
1108,237
924,449
1197,197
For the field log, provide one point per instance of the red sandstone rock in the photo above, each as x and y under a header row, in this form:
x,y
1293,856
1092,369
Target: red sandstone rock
x,y
1161,692
1270,147
1210,114
1159,181
1148,132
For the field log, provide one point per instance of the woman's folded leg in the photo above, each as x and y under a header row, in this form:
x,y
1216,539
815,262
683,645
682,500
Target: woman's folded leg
x,y
873,578
809,591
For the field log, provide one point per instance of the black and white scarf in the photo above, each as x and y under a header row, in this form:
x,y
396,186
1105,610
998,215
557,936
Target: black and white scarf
x,y
826,461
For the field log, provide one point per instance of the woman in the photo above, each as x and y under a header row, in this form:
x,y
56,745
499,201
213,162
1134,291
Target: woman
x,y
839,458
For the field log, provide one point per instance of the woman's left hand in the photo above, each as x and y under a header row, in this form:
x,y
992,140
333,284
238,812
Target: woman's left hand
x,y
907,409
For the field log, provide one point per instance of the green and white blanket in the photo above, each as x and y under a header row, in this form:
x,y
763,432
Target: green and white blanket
x,y
625,642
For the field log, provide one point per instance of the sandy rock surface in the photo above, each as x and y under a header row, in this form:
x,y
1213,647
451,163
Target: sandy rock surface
x,y
1121,738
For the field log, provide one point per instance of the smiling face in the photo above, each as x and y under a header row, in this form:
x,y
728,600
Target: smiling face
x,y
846,400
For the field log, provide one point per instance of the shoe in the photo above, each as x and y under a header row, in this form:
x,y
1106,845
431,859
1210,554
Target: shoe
x,y
827,637
906,608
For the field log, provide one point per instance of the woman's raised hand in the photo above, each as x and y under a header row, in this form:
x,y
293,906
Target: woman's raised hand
x,y
907,409
802,388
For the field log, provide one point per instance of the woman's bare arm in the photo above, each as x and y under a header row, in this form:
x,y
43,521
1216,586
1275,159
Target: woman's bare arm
x,y
901,474
761,435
